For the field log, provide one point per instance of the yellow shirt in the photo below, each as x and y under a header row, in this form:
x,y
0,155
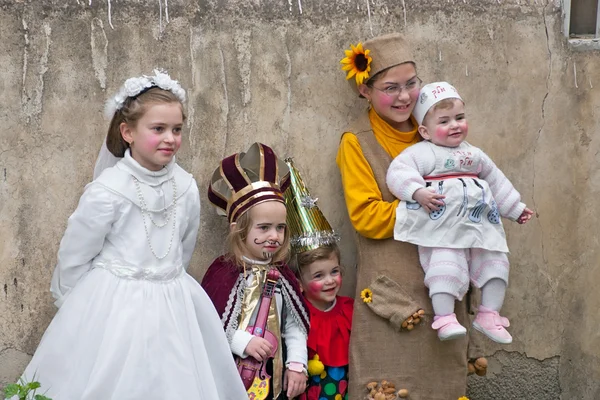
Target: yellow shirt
x,y
370,215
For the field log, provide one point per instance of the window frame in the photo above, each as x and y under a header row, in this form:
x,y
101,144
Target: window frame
x,y
582,44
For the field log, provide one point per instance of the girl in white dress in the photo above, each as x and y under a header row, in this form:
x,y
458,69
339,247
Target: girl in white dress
x,y
132,324
453,196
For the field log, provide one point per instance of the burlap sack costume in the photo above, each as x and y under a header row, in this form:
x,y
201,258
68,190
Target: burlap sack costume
x,y
416,360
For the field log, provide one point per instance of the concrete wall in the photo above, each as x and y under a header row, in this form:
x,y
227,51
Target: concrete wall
x,y
269,71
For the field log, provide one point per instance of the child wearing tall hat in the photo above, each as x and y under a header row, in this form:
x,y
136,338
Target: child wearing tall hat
x,y
316,259
388,341
453,196
256,294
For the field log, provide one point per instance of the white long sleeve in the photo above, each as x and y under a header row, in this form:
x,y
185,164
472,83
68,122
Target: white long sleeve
x,y
295,339
188,240
83,240
406,172
507,197
239,342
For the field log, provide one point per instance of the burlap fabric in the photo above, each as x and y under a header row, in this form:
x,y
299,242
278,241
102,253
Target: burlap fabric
x,y
390,301
416,360
386,51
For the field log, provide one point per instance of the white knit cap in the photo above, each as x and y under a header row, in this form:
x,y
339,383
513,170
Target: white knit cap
x,y
431,94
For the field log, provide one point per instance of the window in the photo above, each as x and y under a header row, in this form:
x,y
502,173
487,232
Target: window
x,y
581,23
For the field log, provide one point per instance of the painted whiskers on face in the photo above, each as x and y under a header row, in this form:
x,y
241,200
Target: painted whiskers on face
x,y
267,230
273,243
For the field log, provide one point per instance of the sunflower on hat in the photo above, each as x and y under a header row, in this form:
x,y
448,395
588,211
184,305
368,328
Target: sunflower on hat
x,y
357,62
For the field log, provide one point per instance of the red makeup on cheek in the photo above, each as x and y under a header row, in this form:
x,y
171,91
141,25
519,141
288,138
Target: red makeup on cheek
x,y
151,143
315,287
441,132
386,101
338,280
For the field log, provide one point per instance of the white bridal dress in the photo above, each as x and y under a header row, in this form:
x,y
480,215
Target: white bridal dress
x,y
132,324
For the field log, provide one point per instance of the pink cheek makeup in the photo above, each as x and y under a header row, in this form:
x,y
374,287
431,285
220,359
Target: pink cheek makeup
x,y
441,132
338,281
315,287
177,143
387,101
151,143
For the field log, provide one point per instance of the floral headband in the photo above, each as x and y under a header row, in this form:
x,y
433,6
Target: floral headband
x,y
135,86
357,62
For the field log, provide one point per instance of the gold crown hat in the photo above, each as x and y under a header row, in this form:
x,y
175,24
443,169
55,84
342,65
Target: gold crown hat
x,y
367,59
309,229
243,180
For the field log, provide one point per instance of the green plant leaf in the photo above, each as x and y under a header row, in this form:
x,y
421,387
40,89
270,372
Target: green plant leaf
x,y
41,397
23,392
11,390
33,385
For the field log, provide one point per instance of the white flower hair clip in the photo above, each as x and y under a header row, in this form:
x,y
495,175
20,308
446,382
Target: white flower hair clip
x,y
135,86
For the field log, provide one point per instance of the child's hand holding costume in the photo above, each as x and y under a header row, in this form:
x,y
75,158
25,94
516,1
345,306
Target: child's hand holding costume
x,y
259,348
428,199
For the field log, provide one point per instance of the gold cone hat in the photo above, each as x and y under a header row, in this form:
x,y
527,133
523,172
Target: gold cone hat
x,y
309,229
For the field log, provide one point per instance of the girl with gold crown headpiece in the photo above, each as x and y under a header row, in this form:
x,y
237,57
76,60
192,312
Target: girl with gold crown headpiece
x,y
316,259
132,324
254,291
382,70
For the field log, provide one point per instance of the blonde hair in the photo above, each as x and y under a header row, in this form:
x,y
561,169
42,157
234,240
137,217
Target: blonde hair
x,y
301,260
132,111
236,241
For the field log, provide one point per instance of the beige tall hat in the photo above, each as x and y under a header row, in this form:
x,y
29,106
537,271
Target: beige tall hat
x,y
309,229
367,59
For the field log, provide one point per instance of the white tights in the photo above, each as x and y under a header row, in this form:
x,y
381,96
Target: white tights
x,y
492,297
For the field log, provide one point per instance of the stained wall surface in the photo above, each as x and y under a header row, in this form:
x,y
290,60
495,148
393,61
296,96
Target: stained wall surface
x,y
269,71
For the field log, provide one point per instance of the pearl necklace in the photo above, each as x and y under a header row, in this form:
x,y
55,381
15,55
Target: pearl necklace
x,y
168,215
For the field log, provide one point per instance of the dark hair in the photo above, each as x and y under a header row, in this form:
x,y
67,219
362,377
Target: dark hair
x,y
301,260
132,111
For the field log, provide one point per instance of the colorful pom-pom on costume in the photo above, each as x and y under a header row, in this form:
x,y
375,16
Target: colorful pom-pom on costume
x,y
328,343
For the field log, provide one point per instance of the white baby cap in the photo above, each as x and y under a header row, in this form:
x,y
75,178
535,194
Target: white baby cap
x,y
431,94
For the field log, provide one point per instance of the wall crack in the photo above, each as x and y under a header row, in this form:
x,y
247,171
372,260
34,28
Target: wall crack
x,y
540,130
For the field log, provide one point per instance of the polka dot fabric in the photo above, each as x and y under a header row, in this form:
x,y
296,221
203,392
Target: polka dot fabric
x,y
332,384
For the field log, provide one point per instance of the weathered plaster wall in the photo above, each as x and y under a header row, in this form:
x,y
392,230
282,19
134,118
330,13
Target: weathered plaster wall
x,y
269,71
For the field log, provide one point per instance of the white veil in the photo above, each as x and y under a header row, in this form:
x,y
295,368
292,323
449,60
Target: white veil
x,y
132,88
105,160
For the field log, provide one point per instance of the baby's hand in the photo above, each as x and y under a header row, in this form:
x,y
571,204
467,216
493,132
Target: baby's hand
x,y
259,348
428,199
525,216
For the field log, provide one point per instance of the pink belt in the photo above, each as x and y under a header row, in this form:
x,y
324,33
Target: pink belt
x,y
449,176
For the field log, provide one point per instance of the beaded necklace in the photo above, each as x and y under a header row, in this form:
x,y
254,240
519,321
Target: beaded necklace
x,y
169,212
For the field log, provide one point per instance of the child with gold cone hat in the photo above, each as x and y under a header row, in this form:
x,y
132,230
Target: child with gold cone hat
x,y
316,258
